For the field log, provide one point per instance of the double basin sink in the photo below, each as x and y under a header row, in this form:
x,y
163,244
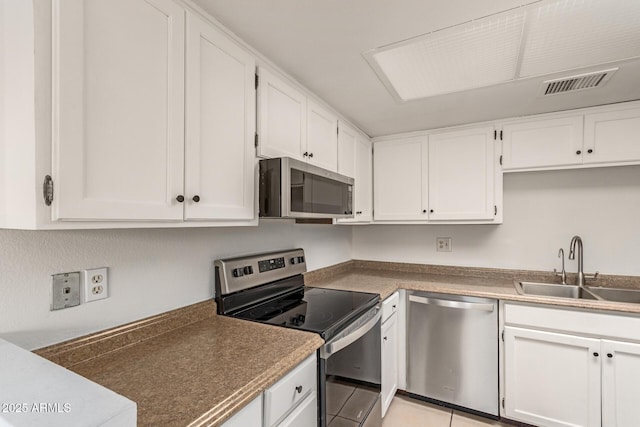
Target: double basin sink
x,y
577,292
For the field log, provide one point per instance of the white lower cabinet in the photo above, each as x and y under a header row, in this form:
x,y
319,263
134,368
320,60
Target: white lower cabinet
x,y
289,401
551,379
389,351
570,368
620,384
249,416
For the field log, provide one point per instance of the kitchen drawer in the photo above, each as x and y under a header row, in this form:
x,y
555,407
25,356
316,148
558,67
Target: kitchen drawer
x,y
305,415
622,326
390,306
282,397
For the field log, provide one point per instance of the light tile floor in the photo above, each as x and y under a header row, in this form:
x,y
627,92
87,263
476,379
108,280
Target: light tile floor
x,y
407,412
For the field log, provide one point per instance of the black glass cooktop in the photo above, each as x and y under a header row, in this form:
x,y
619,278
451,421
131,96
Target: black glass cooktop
x,y
324,311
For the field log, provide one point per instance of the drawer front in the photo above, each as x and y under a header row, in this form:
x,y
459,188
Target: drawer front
x,y
282,397
305,415
390,306
624,327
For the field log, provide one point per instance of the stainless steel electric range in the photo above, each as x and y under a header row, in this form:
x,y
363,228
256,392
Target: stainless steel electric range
x,y
269,288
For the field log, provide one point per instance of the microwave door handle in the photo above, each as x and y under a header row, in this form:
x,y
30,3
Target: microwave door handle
x,y
452,304
337,345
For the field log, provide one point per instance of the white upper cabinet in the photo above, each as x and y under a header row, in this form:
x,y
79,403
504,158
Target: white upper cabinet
x,y
322,137
612,137
118,109
355,160
461,175
347,138
399,192
541,143
220,126
282,118
290,125
599,136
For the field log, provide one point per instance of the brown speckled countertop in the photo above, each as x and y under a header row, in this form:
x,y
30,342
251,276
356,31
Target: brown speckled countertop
x,y
198,374
386,278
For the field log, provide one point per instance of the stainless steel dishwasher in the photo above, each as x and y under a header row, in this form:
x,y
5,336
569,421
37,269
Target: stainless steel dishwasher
x,y
452,350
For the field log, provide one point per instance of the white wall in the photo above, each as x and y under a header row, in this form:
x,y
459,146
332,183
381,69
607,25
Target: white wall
x,y
542,211
150,271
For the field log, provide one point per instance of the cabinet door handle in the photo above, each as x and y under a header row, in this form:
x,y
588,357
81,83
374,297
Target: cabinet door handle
x,y
609,355
310,155
305,154
394,307
424,211
596,354
196,198
578,152
385,338
589,151
180,198
431,210
299,389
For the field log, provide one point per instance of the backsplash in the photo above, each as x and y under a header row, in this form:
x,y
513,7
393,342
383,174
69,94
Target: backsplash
x,y
151,271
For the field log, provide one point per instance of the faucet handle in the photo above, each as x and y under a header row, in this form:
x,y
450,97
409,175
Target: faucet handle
x,y
592,276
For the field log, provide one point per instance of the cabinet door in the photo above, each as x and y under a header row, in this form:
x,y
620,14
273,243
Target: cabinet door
x,y
347,151
249,416
461,175
398,187
551,379
282,118
118,109
612,137
542,143
363,185
220,126
322,137
389,361
620,384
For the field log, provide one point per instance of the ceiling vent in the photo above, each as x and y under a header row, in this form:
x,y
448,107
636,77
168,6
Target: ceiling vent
x,y
577,82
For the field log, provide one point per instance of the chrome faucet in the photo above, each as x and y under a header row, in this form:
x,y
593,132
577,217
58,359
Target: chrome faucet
x,y
563,273
572,255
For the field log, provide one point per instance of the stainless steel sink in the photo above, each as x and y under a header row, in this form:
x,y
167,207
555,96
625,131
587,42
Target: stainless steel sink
x,y
617,295
552,290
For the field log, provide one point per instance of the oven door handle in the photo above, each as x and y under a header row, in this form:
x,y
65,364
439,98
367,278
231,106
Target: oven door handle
x,y
337,345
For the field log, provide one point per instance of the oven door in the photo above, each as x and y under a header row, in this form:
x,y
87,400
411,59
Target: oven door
x,y
350,375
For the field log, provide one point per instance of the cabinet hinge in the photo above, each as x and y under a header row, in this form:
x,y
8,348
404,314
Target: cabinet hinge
x,y
47,190
500,159
495,209
495,134
255,140
257,81
503,403
500,135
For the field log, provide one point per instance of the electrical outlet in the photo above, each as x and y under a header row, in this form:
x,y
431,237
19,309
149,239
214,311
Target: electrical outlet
x,y
96,284
443,244
65,290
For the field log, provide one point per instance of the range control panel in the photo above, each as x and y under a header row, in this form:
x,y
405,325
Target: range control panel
x,y
236,274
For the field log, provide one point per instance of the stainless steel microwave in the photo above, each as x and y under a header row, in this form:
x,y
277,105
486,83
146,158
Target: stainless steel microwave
x,y
290,188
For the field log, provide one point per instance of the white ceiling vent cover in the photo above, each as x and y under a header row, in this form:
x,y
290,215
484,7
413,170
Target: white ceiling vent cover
x,y
577,82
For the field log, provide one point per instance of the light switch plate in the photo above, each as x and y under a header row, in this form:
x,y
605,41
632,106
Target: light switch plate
x,y
65,290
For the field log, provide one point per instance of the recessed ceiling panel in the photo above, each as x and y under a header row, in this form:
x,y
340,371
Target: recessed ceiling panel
x,y
568,34
476,54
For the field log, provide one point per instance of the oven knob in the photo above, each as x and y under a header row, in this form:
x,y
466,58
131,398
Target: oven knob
x,y
293,260
300,259
295,321
248,269
237,272
301,318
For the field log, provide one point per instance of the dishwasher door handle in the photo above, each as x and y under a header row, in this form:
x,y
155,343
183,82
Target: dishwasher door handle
x,y
452,304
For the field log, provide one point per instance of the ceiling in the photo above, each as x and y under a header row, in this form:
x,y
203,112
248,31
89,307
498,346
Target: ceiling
x,y
320,44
